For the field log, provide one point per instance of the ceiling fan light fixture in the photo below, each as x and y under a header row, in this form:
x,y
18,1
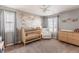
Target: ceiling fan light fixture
x,y
45,8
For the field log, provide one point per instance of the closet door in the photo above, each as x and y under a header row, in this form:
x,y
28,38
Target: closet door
x,y
9,24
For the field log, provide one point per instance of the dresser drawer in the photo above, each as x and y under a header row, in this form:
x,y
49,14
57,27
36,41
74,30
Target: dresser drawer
x,y
63,36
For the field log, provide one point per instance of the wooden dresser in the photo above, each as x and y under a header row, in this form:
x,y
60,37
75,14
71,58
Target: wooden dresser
x,y
69,37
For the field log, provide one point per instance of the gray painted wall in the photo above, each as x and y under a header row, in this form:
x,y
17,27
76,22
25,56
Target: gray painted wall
x,y
69,25
44,22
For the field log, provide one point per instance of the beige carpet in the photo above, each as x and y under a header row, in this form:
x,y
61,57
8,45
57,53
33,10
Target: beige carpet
x,y
45,46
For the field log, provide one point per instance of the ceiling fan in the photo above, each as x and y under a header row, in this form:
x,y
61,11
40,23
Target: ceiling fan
x,y
45,8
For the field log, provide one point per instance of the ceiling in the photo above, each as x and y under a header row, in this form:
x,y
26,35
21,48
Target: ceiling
x,y
36,9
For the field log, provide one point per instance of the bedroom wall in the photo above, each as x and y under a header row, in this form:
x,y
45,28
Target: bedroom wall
x,y
69,25
24,18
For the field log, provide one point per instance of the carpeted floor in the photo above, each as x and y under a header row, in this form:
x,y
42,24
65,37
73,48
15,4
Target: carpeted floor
x,y
43,46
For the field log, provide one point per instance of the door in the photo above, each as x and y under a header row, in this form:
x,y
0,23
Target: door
x,y
9,25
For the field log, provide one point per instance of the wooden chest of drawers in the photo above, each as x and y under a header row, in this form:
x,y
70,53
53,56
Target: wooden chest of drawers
x,y
69,37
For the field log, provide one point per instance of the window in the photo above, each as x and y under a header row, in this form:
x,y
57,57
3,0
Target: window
x,y
52,25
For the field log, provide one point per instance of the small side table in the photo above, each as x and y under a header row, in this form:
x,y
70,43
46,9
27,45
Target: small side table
x,y
1,46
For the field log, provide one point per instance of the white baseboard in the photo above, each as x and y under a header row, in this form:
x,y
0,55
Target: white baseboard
x,y
12,43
